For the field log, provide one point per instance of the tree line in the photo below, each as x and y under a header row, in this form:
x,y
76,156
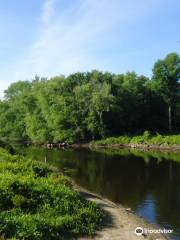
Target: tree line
x,y
93,105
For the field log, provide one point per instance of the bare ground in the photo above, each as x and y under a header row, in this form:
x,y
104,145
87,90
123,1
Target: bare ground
x,y
120,223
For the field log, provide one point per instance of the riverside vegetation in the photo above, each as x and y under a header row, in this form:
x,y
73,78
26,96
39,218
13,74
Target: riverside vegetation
x,y
37,203
94,105
146,138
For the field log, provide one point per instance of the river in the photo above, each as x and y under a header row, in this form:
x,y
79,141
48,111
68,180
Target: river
x,y
147,182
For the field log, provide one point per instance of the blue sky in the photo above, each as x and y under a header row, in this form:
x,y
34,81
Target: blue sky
x,y
52,37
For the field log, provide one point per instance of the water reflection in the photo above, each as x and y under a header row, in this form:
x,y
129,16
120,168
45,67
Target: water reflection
x,y
149,182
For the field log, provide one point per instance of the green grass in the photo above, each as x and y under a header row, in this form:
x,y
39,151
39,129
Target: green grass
x,y
146,138
37,203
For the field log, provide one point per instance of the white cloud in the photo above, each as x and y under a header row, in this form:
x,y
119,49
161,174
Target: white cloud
x,y
69,38
71,35
48,11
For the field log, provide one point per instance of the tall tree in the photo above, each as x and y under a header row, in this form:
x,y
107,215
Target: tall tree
x,y
101,102
165,78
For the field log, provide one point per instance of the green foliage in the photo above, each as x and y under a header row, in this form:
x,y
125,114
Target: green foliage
x,y
146,138
166,75
37,203
7,146
92,105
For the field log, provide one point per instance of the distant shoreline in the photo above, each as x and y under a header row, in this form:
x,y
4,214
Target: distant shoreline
x,y
146,141
142,147
145,147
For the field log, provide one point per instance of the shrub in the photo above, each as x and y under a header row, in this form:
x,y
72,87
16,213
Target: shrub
x,y
146,138
37,203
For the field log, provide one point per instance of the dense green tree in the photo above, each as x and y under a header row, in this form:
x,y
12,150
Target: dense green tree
x,y
101,102
16,89
92,105
166,74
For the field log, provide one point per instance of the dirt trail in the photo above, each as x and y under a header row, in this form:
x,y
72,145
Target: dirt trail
x,y
121,222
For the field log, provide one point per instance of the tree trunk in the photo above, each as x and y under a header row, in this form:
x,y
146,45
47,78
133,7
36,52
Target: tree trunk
x,y
170,118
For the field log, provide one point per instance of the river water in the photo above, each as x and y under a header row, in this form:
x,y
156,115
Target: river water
x,y
147,182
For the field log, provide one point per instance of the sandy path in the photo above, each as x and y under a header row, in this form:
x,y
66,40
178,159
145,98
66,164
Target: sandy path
x,y
121,223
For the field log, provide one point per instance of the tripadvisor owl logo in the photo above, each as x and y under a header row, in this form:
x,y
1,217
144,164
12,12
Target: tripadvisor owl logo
x,y
139,231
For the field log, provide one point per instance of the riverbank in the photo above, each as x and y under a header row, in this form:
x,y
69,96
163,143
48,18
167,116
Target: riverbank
x,y
39,203
146,147
121,222
145,142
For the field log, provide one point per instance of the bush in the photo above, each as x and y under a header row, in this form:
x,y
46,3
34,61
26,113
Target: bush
x,y
146,138
7,146
37,203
